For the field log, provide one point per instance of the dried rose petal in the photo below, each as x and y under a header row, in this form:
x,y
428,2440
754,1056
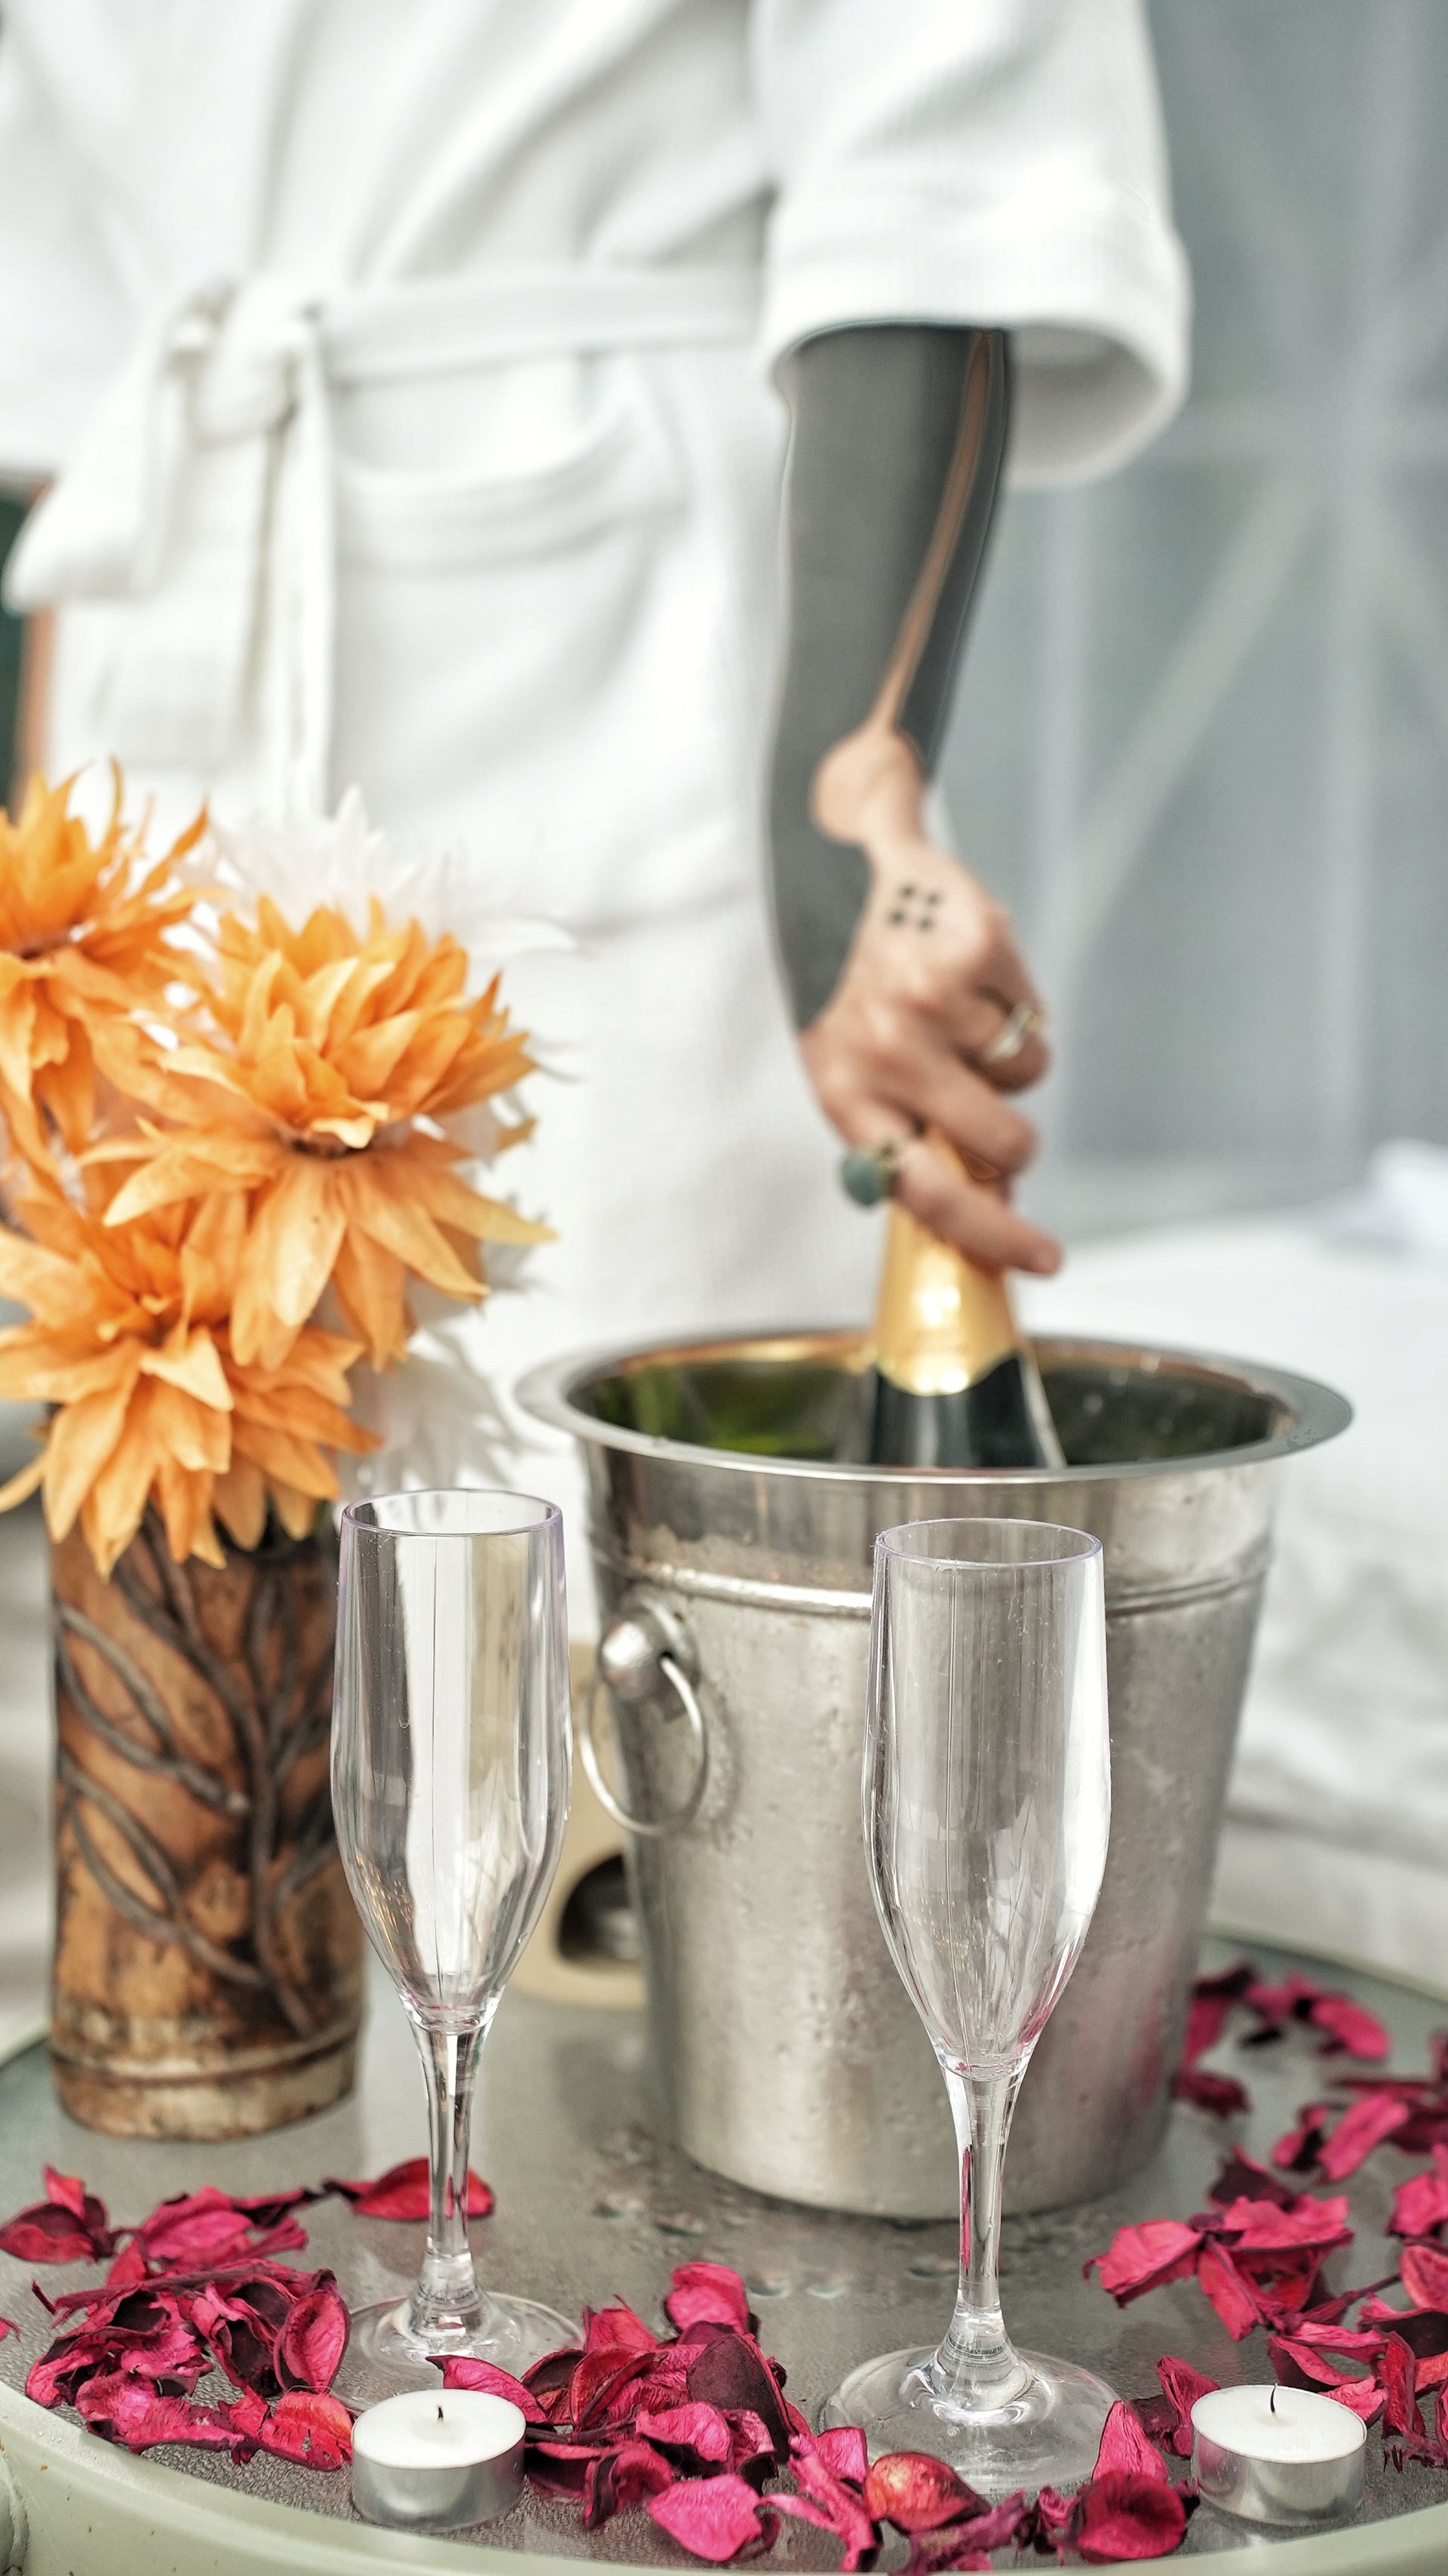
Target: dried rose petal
x,y
1398,2371
461,2371
68,2226
561,2468
1425,2276
211,2227
617,2326
1264,2227
716,2519
130,2411
404,2191
1372,2118
314,2338
1141,2258
1168,2418
1301,2365
1120,2516
1420,2205
1243,2178
1125,2449
1220,2094
701,2434
1296,2152
843,2449
708,2293
1221,2282
618,2479
751,2445
729,2370
1348,2028
837,2500
603,2385
917,2492
309,2428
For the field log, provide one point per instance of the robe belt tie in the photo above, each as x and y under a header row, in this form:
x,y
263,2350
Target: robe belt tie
x,y
200,503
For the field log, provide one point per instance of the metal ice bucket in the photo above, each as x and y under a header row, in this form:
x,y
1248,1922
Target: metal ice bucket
x,y
734,1563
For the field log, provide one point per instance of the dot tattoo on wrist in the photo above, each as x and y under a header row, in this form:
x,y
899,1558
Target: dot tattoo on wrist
x,y
914,908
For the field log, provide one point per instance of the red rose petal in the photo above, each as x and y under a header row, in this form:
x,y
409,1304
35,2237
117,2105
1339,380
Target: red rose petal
x,y
309,2428
837,2500
1297,2151
404,2192
1222,2095
461,2371
701,2434
1125,2449
130,2411
1398,2373
717,2519
708,2293
50,2233
311,2344
1168,2418
1425,2276
1349,2028
916,2492
210,2227
1120,2516
729,2370
1260,2226
1243,2178
843,2449
618,2479
1420,2205
1221,2282
1371,2119
1141,2258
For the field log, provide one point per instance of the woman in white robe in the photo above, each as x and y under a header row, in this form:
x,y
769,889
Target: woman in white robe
x,y
400,373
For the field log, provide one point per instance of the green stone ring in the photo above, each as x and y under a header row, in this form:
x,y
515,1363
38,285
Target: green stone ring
x,y
868,1173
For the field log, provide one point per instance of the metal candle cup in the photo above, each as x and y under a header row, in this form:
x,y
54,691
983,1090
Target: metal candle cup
x,y
437,2460
1281,2455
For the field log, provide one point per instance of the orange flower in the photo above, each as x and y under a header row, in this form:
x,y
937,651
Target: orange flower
x,y
326,1046
128,1341
82,936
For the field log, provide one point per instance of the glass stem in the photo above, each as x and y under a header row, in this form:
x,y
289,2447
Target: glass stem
x,y
447,2304
977,2367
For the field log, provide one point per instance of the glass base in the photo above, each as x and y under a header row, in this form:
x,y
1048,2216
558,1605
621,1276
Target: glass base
x,y
385,2355
1045,2436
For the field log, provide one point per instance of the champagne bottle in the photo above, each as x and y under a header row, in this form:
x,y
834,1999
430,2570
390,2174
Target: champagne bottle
x,y
953,1383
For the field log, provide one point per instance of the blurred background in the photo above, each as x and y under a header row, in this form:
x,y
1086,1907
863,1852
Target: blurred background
x,y
1203,752
1203,745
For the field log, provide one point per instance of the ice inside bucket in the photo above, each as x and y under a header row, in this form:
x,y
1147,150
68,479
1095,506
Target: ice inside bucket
x,y
734,1551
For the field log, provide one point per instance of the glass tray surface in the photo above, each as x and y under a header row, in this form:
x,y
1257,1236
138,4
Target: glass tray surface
x,y
593,2203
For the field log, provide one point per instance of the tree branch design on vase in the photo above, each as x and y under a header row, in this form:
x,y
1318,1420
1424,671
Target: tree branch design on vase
x,y
200,1886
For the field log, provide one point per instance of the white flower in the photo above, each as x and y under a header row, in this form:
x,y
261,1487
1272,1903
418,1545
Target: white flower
x,y
303,858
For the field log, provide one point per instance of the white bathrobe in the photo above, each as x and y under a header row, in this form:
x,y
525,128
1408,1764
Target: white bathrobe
x,y
401,372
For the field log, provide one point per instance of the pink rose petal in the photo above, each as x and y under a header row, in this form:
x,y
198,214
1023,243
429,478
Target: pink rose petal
x,y
311,2343
1420,2205
309,2428
1397,2372
620,2478
404,2192
1425,2276
717,2519
1124,2448
843,2449
1372,2118
1141,2258
708,2293
1168,2418
1120,2516
1231,2296
460,2370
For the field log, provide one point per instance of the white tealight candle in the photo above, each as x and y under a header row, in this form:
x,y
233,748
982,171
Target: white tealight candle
x,y
1278,2454
437,2459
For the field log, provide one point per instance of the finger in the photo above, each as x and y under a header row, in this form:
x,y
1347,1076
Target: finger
x,y
975,1218
937,1090
977,1023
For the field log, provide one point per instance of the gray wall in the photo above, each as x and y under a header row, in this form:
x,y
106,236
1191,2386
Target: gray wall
x,y
1203,744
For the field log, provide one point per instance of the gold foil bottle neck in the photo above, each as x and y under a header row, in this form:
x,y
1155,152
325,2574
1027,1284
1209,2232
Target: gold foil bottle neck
x,y
941,1324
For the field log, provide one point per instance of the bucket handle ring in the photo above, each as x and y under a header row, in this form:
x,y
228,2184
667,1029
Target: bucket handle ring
x,y
636,1651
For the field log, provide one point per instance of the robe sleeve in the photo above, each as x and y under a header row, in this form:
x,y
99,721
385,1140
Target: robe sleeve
x,y
62,322
989,162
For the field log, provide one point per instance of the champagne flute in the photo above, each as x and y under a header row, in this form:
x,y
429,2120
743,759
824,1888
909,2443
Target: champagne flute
x,y
450,1764
987,1805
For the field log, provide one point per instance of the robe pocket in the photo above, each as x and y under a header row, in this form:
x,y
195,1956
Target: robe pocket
x,y
614,463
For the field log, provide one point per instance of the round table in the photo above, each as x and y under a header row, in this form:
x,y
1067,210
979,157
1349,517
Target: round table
x,y
593,2203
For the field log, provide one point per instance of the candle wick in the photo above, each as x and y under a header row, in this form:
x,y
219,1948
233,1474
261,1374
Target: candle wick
x,y
439,2414
1271,2404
